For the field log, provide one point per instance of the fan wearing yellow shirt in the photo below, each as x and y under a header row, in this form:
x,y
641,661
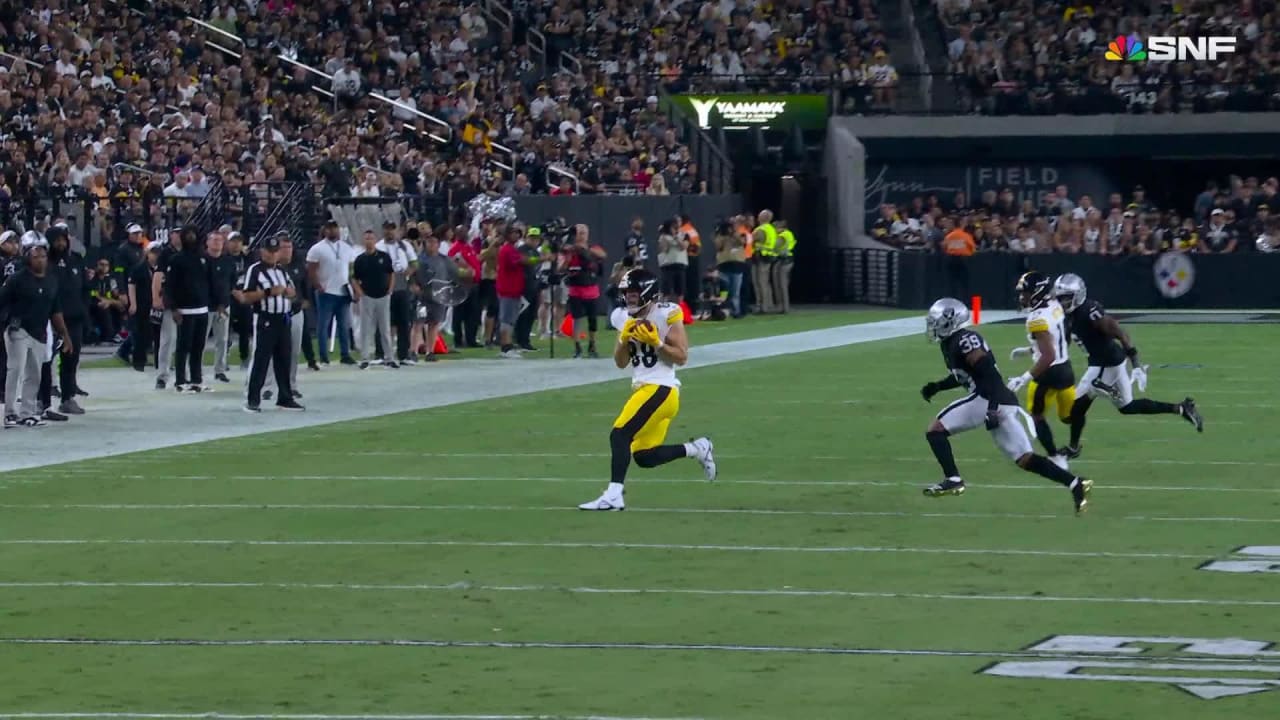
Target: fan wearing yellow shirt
x,y
652,340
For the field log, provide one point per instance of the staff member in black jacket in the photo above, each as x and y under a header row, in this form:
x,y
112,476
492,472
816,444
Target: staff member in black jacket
x,y
29,302
186,298
10,263
241,314
69,270
168,327
268,289
222,280
142,317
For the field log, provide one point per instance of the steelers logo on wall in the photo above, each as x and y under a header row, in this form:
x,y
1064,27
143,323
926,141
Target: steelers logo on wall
x,y
1174,274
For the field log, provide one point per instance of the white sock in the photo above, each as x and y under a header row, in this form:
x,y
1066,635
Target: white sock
x,y
955,479
614,490
690,450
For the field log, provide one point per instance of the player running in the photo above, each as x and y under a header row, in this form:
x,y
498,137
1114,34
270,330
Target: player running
x,y
988,403
1110,350
1051,380
651,339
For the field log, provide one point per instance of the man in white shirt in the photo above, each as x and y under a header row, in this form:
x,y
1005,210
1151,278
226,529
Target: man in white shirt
x,y
347,82
407,107
81,171
329,270
199,185
177,188
404,266
66,66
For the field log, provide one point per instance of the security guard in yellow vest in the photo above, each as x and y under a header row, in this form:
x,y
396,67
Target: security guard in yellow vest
x,y
763,260
786,247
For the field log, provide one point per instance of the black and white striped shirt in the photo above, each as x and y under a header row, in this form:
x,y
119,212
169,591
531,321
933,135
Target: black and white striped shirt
x,y
264,277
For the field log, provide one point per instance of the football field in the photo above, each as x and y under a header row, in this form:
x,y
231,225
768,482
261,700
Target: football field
x,y
429,564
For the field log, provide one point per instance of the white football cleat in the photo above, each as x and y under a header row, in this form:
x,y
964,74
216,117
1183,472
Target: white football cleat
x,y
605,503
1059,460
703,452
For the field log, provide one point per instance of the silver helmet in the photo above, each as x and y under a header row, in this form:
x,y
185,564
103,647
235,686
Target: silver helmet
x,y
1265,243
945,317
1069,289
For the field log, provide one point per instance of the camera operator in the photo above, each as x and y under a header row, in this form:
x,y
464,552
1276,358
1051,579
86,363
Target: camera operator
x,y
142,317
67,268
582,265
536,255
222,280
186,299
29,303
554,297
433,266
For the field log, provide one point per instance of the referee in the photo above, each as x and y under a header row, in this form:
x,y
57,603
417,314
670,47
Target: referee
x,y
269,290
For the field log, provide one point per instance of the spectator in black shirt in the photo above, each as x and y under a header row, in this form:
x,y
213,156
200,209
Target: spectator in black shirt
x,y
142,318
371,279
68,268
636,245
1218,236
106,303
128,255
186,299
222,279
29,302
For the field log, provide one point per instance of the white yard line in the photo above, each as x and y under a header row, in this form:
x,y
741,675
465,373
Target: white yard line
x,y
1045,485
359,507
695,547
551,645
123,402
300,716
786,592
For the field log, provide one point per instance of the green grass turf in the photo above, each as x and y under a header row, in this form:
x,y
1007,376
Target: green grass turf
x,y
799,320
805,437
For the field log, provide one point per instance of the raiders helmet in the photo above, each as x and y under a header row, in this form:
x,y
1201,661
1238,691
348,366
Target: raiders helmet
x,y
1069,289
1034,290
945,317
640,281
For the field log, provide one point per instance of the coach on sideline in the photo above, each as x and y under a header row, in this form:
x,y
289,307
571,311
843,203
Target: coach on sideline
x,y
268,289
29,303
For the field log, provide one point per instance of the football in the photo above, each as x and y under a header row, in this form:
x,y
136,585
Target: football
x,y
644,325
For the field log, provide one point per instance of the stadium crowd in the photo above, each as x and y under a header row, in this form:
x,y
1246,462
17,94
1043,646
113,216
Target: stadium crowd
x,y
1222,219
1035,57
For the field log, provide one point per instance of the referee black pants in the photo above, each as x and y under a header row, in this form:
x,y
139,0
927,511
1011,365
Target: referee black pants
x,y
272,342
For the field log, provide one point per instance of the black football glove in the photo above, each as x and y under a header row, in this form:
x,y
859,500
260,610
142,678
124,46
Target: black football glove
x,y
1132,353
993,418
928,391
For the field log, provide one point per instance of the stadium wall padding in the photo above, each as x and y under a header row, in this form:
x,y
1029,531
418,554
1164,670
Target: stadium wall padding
x,y
1243,280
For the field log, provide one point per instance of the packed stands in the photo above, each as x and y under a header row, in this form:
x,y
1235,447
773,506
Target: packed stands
x,y
1037,57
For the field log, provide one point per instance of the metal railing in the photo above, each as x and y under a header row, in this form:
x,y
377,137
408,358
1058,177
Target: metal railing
x,y
707,150
571,64
538,44
17,58
499,13
562,173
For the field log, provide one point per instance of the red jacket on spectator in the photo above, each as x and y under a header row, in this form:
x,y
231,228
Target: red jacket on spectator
x,y
510,271
462,248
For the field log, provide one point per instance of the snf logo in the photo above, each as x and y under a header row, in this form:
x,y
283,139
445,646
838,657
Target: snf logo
x,y
1131,49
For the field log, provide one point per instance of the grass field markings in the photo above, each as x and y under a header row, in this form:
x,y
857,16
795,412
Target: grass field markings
x,y
566,545
722,455
356,507
551,645
676,481
300,716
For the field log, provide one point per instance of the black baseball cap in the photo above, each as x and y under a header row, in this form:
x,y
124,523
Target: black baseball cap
x,y
271,244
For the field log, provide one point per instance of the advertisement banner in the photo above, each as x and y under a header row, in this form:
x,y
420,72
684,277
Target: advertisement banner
x,y
900,182
742,111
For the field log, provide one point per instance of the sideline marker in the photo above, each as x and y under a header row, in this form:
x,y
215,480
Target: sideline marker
x,y
975,303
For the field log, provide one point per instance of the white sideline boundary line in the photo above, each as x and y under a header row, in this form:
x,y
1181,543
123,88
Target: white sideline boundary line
x,y
1046,485
160,507
299,716
847,549
551,645
767,592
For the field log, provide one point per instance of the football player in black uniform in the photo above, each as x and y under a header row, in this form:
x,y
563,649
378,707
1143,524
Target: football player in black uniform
x,y
1110,350
988,403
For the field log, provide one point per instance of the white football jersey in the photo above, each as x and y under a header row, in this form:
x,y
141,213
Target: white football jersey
x,y
646,367
1051,319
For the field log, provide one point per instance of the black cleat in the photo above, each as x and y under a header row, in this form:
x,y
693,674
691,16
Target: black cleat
x,y
1080,488
1069,452
1191,414
222,378
290,405
946,487
252,409
159,384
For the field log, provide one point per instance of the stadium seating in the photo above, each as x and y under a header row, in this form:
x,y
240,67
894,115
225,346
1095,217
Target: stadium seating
x,y
1028,57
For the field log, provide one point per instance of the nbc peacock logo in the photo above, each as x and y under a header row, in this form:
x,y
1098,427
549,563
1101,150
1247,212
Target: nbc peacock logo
x,y
1128,49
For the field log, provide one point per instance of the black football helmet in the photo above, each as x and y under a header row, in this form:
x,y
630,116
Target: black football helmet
x,y
1034,290
639,290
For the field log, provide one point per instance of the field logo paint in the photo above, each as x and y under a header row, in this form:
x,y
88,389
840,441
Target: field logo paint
x,y
1195,665
1252,559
